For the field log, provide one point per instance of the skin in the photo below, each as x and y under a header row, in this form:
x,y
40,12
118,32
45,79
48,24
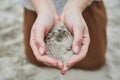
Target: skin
x,y
46,18
72,17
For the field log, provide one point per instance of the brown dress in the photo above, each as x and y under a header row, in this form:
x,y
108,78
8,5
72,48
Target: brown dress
x,y
95,17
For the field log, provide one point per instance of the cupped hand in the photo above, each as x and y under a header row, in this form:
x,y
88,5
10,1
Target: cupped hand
x,y
72,17
45,20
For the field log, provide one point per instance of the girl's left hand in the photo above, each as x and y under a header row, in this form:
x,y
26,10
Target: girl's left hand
x,y
72,17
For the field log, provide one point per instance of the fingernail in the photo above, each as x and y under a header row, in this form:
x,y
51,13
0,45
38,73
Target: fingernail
x,y
63,72
76,49
60,64
41,51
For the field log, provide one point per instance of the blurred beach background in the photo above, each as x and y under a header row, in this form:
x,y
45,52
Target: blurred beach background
x,y
15,66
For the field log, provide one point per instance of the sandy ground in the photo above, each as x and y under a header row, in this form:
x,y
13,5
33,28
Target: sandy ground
x,y
14,65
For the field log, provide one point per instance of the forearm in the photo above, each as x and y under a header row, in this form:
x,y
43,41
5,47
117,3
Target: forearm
x,y
81,4
39,5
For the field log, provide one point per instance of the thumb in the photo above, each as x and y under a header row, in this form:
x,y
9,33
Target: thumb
x,y
40,42
41,46
77,41
41,50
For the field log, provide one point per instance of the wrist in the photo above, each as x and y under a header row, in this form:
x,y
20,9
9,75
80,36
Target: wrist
x,y
40,5
79,4
47,6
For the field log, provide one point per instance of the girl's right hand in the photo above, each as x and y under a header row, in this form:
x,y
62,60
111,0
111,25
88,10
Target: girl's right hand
x,y
46,18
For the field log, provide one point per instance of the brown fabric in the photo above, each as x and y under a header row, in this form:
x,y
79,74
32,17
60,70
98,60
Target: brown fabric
x,y
95,17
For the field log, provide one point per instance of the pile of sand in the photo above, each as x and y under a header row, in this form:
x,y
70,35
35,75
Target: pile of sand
x,y
59,43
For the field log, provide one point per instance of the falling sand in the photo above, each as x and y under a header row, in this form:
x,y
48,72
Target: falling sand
x,y
59,43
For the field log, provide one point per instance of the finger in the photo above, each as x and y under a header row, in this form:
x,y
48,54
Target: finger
x,y
34,47
86,36
83,51
45,59
48,60
42,50
78,37
85,43
35,50
39,40
77,58
64,70
60,65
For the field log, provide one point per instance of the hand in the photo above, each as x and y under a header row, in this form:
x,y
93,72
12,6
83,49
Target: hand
x,y
72,17
46,18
